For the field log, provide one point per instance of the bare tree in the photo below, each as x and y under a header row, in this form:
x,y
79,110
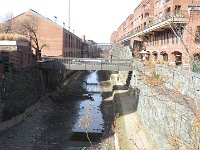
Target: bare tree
x,y
29,27
6,25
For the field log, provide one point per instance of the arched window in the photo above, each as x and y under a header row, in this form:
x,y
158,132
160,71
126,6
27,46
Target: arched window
x,y
178,57
165,55
155,54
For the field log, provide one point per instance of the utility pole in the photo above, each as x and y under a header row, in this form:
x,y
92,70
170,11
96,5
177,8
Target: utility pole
x,y
69,16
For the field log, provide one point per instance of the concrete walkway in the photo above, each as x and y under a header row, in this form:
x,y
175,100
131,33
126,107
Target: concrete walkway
x,y
135,133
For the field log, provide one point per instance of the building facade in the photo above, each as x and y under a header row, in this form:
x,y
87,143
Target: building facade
x,y
54,39
93,49
165,30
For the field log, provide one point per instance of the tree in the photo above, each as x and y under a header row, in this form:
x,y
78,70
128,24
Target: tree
x,y
6,25
27,26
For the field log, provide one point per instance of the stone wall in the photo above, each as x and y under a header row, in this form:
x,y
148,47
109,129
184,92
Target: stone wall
x,y
20,90
167,110
179,79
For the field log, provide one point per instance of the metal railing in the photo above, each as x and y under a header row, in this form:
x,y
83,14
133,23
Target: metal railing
x,y
169,15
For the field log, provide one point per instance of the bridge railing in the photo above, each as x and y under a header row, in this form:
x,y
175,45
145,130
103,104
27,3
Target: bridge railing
x,y
71,59
90,64
93,63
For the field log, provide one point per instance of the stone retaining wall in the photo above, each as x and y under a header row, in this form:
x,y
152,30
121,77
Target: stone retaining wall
x,y
179,78
20,90
167,111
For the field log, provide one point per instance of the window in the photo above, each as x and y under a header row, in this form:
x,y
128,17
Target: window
x,y
66,40
158,39
197,34
168,37
177,10
177,7
164,38
146,15
150,41
176,39
172,37
165,57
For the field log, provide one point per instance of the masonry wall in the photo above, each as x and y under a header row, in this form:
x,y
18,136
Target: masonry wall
x,y
20,90
167,114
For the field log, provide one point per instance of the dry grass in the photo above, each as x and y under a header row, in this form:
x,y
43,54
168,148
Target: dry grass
x,y
149,64
154,79
161,62
13,37
196,122
174,142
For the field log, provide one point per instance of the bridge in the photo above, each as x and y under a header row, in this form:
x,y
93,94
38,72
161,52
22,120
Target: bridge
x,y
87,63
102,44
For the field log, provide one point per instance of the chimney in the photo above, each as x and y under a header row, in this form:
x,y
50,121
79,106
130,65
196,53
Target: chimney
x,y
55,19
63,25
83,38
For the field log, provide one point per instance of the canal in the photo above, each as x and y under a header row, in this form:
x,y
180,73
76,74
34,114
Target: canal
x,y
68,119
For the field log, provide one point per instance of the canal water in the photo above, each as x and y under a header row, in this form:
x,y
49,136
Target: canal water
x,y
89,120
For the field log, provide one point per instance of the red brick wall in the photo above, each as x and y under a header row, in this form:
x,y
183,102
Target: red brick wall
x,y
189,34
52,35
72,45
114,37
169,47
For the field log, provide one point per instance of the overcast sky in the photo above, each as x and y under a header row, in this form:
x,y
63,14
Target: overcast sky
x,y
96,19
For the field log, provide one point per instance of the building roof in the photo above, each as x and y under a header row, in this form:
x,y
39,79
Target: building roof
x,y
47,19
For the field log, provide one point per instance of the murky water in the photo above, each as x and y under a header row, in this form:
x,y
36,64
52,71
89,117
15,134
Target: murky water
x,y
90,116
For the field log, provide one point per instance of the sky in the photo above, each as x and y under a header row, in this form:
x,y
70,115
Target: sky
x,y
96,19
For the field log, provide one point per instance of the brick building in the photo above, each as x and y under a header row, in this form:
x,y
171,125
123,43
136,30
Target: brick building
x,y
114,37
15,55
160,27
55,39
93,49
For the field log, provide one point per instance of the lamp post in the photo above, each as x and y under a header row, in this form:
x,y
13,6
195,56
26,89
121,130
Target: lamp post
x,y
69,16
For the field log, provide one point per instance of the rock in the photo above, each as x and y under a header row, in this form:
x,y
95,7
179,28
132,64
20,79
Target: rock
x,y
10,136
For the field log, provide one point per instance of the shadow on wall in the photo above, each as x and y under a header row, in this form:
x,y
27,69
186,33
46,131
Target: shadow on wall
x,y
128,80
54,74
128,100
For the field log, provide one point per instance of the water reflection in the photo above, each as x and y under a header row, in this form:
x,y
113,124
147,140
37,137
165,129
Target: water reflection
x,y
90,116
